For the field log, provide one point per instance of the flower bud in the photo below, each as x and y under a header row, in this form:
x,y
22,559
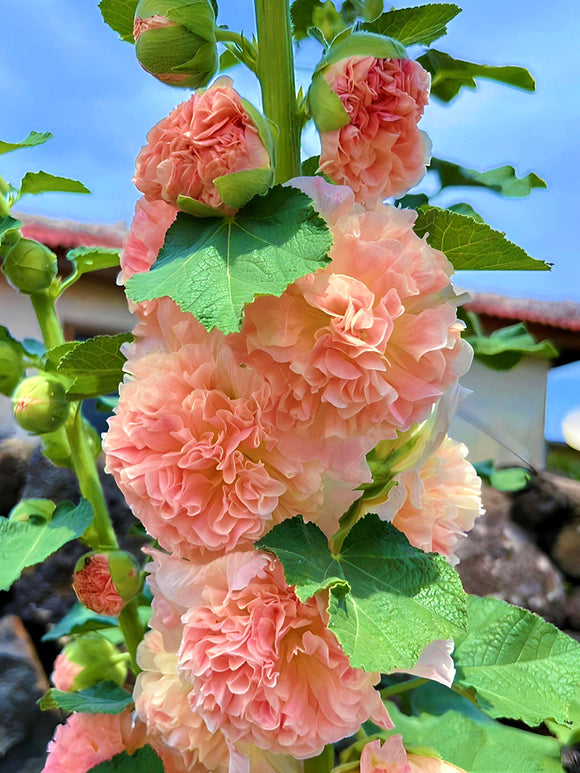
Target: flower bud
x,y
11,367
105,582
88,660
175,41
29,266
39,404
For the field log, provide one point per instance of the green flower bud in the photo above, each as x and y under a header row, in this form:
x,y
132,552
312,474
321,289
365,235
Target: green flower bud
x,y
29,266
11,367
39,404
94,659
175,41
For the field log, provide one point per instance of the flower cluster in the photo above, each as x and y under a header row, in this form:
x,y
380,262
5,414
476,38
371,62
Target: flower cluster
x,y
217,438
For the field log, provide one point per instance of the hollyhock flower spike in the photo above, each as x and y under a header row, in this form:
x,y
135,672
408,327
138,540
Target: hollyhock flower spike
x,y
379,152
201,149
263,666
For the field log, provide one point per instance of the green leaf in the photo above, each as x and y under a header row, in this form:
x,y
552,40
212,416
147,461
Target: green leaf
x,y
8,224
471,245
228,59
362,44
103,698
520,666
237,188
301,15
26,544
504,348
326,107
310,166
33,139
388,600
79,619
87,259
43,182
450,75
422,24
144,760
213,267
95,366
478,745
413,201
466,209
508,479
120,15
502,180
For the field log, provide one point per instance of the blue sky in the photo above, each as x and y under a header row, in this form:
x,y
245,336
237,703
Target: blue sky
x,y
63,70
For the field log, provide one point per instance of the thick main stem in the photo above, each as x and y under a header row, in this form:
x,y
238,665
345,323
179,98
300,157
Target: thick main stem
x,y
276,74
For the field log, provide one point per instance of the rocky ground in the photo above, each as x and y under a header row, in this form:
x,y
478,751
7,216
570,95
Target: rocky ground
x,y
526,550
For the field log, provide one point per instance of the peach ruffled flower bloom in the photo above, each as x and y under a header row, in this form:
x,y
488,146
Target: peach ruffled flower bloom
x,y
95,588
64,673
391,757
436,504
86,740
148,229
380,152
264,668
366,345
208,136
193,449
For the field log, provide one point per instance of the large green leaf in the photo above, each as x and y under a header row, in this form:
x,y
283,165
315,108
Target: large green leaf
x,y
520,666
103,698
43,182
33,139
450,75
421,24
478,746
388,600
504,348
25,543
95,366
471,245
144,760
502,180
87,259
120,15
79,619
212,267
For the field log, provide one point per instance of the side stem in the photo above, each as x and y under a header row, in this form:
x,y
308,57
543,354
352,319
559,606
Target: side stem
x,y
276,75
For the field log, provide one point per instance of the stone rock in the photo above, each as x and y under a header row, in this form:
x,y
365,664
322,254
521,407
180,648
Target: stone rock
x,y
566,550
15,453
498,558
573,608
22,682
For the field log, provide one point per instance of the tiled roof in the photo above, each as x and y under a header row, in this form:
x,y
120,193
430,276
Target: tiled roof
x,y
69,234
564,315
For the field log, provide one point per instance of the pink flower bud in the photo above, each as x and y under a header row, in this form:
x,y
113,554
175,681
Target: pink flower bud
x,y
104,582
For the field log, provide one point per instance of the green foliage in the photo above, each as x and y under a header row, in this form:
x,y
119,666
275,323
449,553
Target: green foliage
x,y
502,180
120,15
471,245
212,267
8,224
43,182
145,760
509,479
520,666
466,209
450,75
476,744
24,544
87,259
33,139
388,600
421,24
77,620
94,366
103,698
504,348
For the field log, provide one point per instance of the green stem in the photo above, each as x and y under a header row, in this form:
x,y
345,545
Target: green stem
x,y
50,326
276,75
397,689
321,764
4,205
133,630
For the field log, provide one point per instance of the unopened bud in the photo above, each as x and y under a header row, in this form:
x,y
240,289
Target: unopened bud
x,y
86,661
11,367
105,582
39,404
29,266
175,41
